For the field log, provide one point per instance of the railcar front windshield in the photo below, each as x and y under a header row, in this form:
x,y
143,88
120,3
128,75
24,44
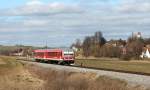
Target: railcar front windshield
x,y
68,54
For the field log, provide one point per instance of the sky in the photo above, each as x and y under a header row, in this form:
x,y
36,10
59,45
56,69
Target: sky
x,y
60,22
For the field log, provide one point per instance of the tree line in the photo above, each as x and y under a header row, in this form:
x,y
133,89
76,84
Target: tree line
x,y
97,46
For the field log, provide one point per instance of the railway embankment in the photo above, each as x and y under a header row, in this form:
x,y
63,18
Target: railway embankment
x,y
131,79
25,75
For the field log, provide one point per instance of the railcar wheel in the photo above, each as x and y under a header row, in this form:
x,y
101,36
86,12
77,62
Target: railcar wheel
x,y
50,62
42,61
37,60
61,63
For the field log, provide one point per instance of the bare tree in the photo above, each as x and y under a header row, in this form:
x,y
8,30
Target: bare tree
x,y
86,46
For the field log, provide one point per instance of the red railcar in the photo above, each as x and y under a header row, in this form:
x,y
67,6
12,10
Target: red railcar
x,y
55,56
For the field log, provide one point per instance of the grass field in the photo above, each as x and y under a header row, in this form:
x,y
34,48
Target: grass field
x,y
8,63
133,66
62,80
17,76
13,76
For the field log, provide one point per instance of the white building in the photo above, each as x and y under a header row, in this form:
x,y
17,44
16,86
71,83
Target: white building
x,y
136,35
145,54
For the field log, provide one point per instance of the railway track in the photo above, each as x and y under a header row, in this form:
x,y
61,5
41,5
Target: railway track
x,y
132,78
94,68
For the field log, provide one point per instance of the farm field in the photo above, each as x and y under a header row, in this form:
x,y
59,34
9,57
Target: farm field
x,y
132,66
13,76
17,76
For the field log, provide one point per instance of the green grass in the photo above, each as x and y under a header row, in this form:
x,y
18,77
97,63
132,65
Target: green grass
x,y
143,67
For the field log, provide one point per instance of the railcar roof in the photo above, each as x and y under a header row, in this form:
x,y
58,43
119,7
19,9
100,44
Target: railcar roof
x,y
48,50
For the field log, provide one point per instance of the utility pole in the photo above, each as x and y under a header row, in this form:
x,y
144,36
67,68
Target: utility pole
x,y
46,45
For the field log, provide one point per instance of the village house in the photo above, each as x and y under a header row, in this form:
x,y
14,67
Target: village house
x,y
145,52
18,52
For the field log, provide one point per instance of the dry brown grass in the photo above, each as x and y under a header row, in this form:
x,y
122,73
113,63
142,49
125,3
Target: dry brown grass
x,y
14,76
62,80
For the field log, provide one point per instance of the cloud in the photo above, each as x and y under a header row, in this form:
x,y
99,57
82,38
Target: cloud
x,y
34,2
134,6
37,8
36,21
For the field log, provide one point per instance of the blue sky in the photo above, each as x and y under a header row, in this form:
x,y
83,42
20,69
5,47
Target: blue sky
x,y
61,22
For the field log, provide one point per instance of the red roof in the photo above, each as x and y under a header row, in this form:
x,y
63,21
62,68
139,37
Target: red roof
x,y
48,50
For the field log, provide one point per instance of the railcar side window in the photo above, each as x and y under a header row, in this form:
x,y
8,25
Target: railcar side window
x,y
39,54
54,54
